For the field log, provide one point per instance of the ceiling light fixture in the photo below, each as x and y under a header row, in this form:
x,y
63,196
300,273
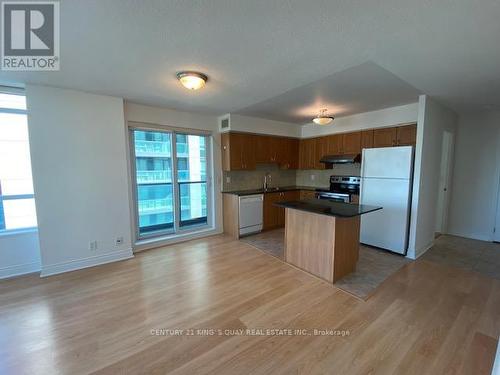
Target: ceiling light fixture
x,y
192,80
323,118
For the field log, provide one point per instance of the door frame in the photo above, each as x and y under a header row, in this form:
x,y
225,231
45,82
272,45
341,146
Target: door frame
x,y
177,230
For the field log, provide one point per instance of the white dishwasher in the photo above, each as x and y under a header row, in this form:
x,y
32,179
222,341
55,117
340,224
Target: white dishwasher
x,y
251,211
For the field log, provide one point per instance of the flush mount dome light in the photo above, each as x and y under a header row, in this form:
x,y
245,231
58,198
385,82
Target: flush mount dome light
x,y
192,80
323,118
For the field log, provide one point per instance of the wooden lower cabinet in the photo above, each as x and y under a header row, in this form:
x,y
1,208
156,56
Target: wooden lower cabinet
x,y
274,217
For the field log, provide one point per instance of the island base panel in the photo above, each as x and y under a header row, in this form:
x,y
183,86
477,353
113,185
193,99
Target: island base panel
x,y
325,246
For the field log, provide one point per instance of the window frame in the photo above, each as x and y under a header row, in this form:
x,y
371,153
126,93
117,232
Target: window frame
x,y
3,197
178,230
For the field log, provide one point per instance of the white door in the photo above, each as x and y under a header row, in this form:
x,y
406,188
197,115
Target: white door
x,y
386,228
444,182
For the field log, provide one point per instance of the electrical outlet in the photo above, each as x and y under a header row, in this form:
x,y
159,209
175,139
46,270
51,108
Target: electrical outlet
x,y
119,241
228,179
93,245
313,177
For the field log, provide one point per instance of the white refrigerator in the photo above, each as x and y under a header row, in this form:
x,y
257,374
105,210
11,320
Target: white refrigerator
x,y
386,181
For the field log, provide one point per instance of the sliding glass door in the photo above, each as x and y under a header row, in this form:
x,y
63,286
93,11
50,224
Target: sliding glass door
x,y
171,181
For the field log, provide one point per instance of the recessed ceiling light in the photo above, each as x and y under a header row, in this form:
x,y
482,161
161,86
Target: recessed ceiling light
x,y
323,118
192,80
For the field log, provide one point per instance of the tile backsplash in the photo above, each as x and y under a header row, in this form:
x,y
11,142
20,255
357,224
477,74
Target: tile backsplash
x,y
321,178
243,180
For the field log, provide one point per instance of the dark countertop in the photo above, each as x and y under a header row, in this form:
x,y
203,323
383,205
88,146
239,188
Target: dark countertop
x,y
270,190
329,208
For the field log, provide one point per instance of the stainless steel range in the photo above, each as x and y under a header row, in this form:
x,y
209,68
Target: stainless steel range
x,y
342,188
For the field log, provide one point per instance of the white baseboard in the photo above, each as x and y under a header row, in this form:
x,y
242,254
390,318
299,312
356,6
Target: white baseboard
x,y
473,236
78,264
18,270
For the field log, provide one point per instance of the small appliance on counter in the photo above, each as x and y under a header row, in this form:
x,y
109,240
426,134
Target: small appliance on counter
x,y
342,189
386,180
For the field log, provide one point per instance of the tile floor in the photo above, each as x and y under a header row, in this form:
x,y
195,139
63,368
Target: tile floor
x,y
464,253
374,266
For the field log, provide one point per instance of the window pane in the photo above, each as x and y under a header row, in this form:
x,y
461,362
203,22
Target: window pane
x,y
191,177
15,162
155,208
154,181
17,205
19,213
191,158
193,198
12,101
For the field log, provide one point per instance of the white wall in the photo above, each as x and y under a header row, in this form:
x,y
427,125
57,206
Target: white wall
x,y
77,143
475,176
262,126
19,253
375,119
433,120
178,119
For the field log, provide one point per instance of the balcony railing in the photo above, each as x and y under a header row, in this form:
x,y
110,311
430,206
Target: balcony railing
x,y
144,177
152,148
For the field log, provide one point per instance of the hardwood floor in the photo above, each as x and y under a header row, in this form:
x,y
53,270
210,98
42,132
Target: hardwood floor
x,y
426,319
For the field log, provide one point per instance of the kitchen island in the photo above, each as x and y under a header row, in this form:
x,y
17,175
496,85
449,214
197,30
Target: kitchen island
x,y
322,236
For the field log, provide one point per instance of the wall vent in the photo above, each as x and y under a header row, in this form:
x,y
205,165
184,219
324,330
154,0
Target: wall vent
x,y
225,123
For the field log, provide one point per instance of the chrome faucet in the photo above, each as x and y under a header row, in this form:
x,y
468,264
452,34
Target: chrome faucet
x,y
267,181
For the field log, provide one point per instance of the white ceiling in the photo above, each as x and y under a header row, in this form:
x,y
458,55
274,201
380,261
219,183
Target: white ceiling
x,y
363,88
257,50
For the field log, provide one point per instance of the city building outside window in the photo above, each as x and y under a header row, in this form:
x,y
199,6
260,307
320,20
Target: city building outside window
x,y
168,201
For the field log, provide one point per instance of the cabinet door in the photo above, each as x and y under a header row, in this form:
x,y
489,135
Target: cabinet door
x,y
235,151
270,219
366,139
283,153
262,149
302,154
351,143
248,151
385,137
311,153
334,144
407,135
293,153
321,149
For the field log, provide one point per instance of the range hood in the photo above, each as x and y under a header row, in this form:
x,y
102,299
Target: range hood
x,y
341,159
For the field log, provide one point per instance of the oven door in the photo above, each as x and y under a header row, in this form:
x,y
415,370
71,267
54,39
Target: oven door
x,y
337,197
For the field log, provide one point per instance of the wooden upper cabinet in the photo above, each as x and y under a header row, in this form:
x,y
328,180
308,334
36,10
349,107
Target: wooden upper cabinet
x,y
307,153
334,144
366,139
262,149
248,152
386,137
288,153
407,135
321,149
238,151
351,143
294,153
